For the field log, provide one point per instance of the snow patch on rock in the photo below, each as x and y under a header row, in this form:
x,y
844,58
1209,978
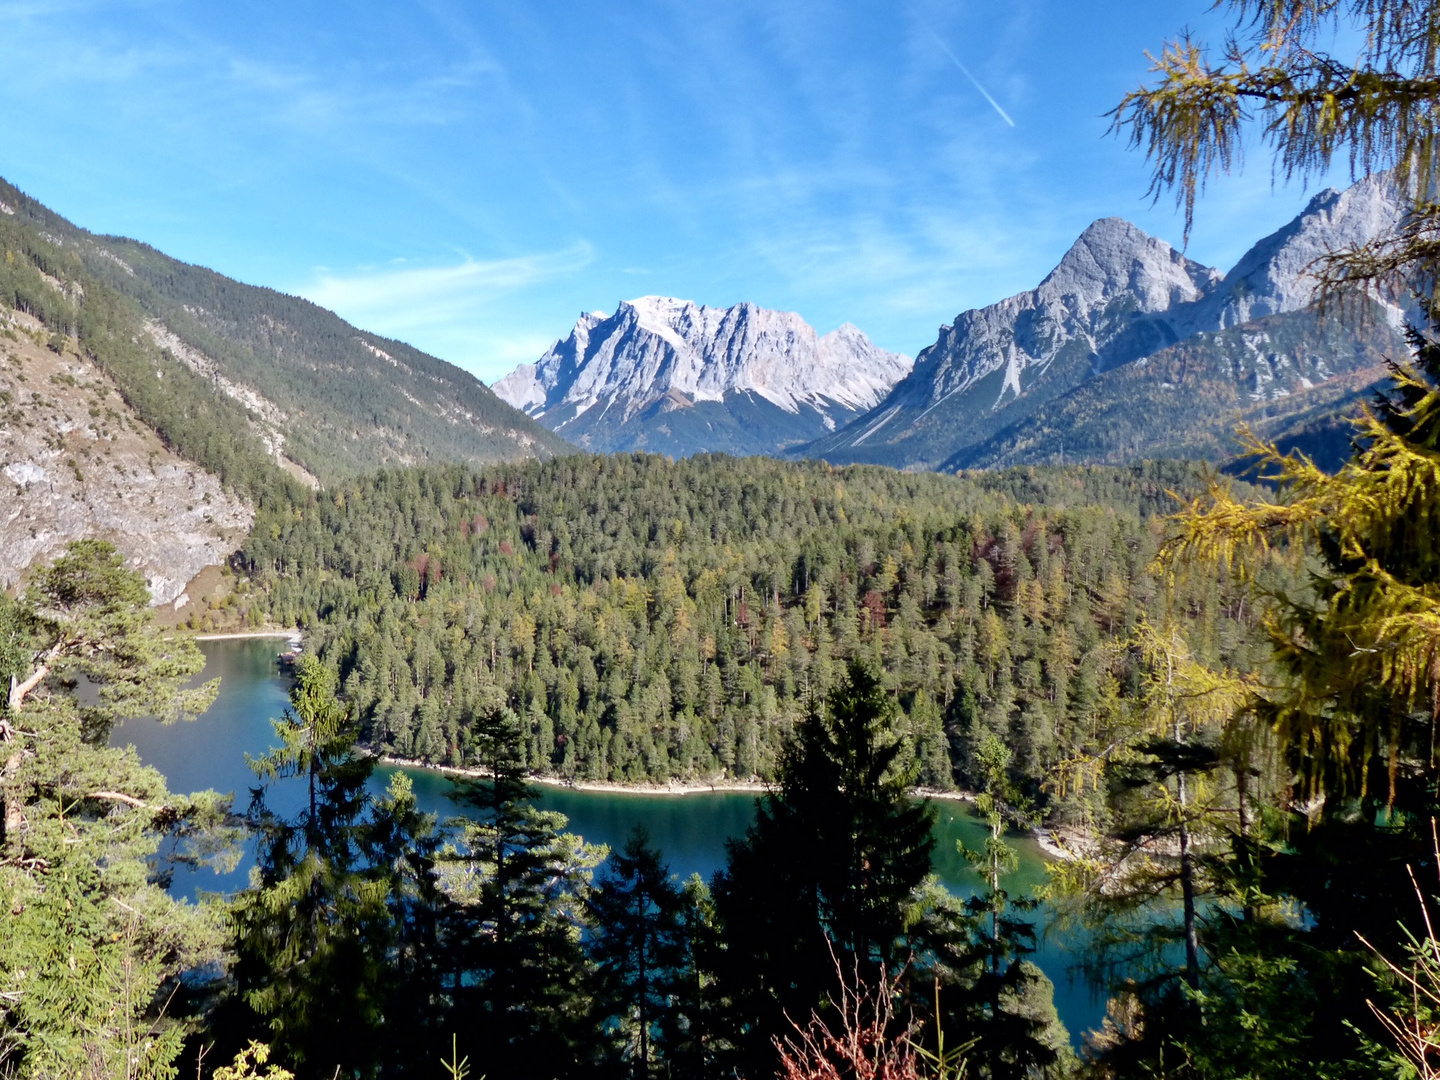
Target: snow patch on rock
x,y
659,348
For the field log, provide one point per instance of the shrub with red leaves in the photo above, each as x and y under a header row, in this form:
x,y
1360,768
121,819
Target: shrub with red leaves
x,y
863,1045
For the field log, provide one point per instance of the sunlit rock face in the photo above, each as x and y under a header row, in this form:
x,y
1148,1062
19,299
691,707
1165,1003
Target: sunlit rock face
x,y
1277,274
75,462
681,378
1117,297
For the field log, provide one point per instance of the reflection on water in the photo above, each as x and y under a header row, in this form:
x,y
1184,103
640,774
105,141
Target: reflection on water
x,y
690,830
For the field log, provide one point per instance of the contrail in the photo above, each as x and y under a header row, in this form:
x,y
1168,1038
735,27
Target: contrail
x,y
973,81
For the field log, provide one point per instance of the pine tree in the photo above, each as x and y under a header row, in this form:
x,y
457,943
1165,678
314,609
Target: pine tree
x,y
522,984
316,938
1351,704
1005,1005
1275,80
639,949
404,848
91,946
825,876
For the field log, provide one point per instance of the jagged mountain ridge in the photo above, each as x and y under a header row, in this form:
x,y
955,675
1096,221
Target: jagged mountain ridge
x,y
679,377
1273,276
1116,297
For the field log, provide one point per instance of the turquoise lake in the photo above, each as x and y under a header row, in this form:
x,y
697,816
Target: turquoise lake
x,y
691,830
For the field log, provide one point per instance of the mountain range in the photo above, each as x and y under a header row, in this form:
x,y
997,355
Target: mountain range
x,y
155,402
1127,349
677,377
1011,382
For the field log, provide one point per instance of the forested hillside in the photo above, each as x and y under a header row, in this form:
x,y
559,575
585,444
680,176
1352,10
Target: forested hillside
x,y
657,620
234,376
50,282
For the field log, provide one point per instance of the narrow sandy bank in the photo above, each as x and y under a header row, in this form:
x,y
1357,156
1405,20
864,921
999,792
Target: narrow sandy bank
x,y
238,636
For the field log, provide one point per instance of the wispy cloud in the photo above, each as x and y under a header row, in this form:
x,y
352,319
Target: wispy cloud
x,y
463,312
391,299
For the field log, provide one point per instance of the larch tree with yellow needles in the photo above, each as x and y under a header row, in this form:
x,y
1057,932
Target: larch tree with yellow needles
x,y
1350,702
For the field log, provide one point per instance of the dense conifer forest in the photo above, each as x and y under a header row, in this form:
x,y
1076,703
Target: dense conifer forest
x,y
652,620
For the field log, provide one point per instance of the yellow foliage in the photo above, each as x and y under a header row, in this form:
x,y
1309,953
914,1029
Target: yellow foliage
x,y
1374,624
247,1065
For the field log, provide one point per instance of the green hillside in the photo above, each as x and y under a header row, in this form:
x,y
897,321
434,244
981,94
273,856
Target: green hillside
x,y
234,375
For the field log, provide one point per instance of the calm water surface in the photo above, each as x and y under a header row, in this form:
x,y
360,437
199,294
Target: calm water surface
x,y
690,830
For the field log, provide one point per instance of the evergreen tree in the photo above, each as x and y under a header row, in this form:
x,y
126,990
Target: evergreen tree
x,y
1350,703
686,1036
639,949
404,849
522,984
1278,80
826,875
316,937
91,946
1005,1006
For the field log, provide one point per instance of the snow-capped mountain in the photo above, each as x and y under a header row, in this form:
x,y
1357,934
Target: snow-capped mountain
x,y
1116,297
678,377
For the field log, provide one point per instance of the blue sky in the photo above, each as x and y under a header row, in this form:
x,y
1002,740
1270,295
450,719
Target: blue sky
x,y
470,176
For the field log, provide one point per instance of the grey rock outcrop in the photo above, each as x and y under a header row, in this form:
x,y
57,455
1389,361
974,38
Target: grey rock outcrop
x,y
1117,291
1277,274
76,463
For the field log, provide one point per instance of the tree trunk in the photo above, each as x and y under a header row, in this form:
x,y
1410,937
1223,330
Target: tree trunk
x,y
1242,791
19,689
1187,889
1187,859
644,1018
14,815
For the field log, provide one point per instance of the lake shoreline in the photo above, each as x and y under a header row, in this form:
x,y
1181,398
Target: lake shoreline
x,y
683,787
1060,845
249,635
609,787
1055,844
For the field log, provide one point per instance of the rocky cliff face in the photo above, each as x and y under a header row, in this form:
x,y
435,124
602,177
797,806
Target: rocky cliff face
x,y
75,462
1117,296
681,377
1117,293
1274,276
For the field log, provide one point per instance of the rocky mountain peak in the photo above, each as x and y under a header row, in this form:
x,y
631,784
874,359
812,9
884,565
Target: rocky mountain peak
x,y
655,347
1112,257
1277,274
1116,294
